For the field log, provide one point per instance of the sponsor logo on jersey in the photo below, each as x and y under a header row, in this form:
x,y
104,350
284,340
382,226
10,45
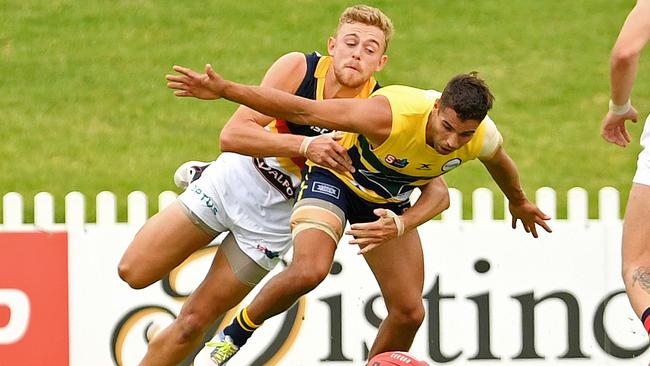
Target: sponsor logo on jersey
x,y
451,164
320,130
327,189
205,199
396,162
279,180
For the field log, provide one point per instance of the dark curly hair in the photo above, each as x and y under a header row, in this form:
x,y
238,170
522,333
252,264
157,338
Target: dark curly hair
x,y
468,96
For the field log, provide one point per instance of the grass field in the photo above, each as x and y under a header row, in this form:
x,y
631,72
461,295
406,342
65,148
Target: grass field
x,y
84,105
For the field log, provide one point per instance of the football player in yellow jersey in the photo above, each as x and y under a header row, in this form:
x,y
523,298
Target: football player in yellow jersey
x,y
248,197
393,133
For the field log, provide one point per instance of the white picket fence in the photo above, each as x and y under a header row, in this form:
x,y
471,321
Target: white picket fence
x,y
137,207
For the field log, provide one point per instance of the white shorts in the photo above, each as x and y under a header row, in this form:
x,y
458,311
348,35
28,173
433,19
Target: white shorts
x,y
231,195
642,175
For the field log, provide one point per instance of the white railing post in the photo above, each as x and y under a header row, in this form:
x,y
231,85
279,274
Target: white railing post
x,y
482,205
455,211
12,210
137,210
43,210
609,204
106,208
546,200
577,205
165,199
75,210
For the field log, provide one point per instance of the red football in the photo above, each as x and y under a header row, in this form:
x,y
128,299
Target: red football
x,y
395,358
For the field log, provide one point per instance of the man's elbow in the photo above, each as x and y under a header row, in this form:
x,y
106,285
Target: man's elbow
x,y
227,141
442,192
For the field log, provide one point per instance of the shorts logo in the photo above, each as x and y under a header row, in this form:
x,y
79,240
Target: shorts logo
x,y
207,200
327,189
394,161
275,177
451,164
267,252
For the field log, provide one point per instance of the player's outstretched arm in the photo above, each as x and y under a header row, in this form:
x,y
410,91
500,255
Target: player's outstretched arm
x,y
189,83
505,174
433,200
633,37
370,117
244,133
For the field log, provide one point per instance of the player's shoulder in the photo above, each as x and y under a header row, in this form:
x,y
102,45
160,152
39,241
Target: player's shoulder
x,y
287,72
408,100
292,60
403,90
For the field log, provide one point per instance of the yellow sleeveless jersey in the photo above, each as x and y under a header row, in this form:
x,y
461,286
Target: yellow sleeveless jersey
x,y
389,172
311,87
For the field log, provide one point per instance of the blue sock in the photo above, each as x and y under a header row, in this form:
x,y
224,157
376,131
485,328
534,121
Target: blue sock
x,y
241,328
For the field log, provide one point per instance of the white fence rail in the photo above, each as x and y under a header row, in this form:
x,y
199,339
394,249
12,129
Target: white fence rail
x,y
138,205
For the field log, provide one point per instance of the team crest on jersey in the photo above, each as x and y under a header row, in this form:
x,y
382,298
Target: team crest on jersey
x,y
451,164
394,161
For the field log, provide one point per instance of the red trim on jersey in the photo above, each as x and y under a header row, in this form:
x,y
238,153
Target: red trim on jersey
x,y
282,127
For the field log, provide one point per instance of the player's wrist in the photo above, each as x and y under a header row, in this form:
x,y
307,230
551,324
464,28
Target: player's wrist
x,y
399,224
620,109
518,199
304,145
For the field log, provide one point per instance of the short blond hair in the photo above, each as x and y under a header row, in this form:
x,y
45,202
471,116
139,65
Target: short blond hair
x,y
368,15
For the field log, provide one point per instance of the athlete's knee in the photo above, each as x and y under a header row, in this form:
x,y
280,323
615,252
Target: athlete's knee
x,y
407,314
132,274
306,276
191,325
132,279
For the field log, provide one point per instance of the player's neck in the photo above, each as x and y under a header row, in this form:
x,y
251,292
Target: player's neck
x,y
429,132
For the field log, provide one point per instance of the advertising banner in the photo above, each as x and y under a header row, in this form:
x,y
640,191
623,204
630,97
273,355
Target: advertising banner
x,y
492,295
34,299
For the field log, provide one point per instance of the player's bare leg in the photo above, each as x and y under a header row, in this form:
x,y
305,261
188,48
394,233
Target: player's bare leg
x,y
636,249
220,291
398,266
313,254
164,242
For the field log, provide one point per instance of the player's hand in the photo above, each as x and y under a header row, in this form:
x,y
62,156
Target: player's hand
x,y
325,151
613,128
370,235
189,83
529,215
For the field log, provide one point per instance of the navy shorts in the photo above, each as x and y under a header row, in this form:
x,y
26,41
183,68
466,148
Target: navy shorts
x,y
321,184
